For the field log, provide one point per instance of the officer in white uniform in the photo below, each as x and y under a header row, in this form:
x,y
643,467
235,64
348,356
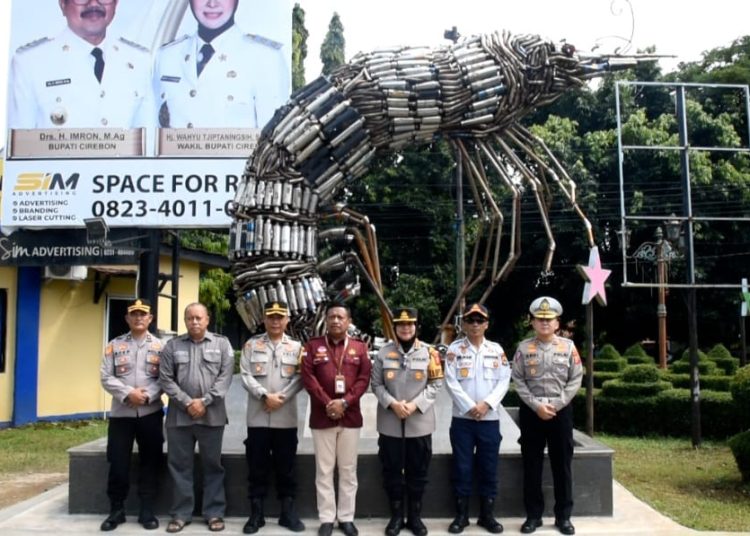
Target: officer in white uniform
x,y
477,375
243,77
54,84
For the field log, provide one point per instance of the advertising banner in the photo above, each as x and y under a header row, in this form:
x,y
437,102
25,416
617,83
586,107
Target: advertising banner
x,y
141,112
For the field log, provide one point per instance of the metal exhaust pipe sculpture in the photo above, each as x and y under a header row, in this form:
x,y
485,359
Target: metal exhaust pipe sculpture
x,y
473,93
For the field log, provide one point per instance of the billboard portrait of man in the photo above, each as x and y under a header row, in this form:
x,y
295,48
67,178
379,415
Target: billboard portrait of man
x,y
219,75
82,78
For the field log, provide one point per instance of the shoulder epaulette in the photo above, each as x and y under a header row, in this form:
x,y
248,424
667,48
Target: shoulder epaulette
x,y
33,44
265,41
175,41
134,45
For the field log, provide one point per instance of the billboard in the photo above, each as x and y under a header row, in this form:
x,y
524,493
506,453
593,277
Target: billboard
x,y
141,112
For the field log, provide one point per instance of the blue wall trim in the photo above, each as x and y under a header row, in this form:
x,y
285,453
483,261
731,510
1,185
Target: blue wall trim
x,y
99,415
26,379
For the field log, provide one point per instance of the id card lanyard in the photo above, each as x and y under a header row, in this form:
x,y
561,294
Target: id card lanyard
x,y
339,385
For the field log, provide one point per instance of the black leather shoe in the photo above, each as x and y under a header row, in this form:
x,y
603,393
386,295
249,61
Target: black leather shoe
x,y
147,519
116,517
348,528
149,524
326,529
530,525
565,526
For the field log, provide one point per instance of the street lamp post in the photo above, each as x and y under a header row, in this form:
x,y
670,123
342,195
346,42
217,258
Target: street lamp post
x,y
659,253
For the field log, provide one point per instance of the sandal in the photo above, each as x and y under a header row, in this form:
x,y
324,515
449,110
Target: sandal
x,y
215,524
176,525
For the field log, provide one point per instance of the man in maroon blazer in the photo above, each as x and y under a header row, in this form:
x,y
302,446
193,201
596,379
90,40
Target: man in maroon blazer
x,y
336,373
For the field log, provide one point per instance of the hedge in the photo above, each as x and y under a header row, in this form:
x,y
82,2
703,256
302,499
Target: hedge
x,y
607,353
601,377
635,350
640,360
740,445
641,374
705,368
713,383
729,365
623,389
719,351
740,388
610,365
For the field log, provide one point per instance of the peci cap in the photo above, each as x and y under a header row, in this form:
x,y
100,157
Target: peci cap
x,y
545,307
404,314
276,308
140,305
477,309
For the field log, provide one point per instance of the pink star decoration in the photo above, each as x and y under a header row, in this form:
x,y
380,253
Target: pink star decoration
x,y
595,277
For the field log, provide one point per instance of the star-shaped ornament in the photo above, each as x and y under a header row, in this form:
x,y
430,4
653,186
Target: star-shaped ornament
x,y
595,277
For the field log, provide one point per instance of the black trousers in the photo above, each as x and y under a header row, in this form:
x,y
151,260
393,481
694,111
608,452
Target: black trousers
x,y
404,461
148,433
557,435
267,449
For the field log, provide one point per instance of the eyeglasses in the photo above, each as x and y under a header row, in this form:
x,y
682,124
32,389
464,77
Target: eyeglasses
x,y
85,2
474,320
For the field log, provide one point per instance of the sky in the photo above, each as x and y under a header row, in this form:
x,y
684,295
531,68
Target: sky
x,y
675,27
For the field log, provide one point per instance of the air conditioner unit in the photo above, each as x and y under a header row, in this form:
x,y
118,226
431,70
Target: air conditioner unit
x,y
71,273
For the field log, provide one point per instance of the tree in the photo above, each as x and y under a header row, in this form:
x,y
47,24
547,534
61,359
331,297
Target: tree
x,y
332,51
299,47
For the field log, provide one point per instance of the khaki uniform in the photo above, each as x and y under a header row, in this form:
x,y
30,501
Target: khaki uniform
x,y
52,85
268,368
415,376
241,86
547,373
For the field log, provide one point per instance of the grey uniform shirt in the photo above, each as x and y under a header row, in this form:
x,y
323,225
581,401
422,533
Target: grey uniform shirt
x,y
475,374
414,376
52,85
127,364
191,370
271,368
547,373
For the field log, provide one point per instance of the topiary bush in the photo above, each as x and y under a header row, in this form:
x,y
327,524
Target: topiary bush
x,y
635,350
705,368
641,374
608,352
609,360
718,351
686,356
740,445
623,389
714,383
740,389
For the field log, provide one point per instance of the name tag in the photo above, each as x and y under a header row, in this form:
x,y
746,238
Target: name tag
x,y
61,82
166,78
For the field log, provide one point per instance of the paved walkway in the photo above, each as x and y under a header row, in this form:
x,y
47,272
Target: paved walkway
x,y
48,514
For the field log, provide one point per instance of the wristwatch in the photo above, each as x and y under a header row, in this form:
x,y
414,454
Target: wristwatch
x,y
346,406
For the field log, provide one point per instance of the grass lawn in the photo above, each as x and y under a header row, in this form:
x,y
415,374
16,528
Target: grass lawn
x,y
41,448
699,488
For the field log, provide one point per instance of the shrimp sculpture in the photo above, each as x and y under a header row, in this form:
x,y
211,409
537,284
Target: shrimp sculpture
x,y
473,93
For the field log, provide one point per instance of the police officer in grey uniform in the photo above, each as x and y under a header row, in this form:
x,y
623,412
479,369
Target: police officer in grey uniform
x,y
130,373
477,376
219,76
547,372
270,374
406,377
82,78
196,372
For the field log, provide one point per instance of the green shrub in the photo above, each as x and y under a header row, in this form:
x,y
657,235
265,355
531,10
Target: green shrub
x,y
718,351
622,389
641,374
635,350
728,364
740,445
610,365
686,356
608,352
705,368
740,388
601,377
640,360
714,383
